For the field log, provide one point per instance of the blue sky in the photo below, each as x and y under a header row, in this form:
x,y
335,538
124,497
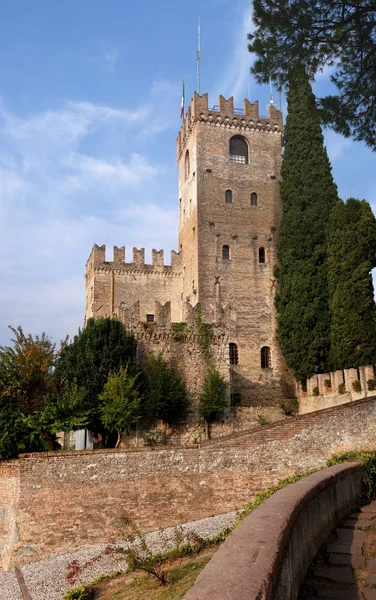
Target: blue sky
x,y
89,113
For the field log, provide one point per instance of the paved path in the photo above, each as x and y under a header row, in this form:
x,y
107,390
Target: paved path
x,y
345,569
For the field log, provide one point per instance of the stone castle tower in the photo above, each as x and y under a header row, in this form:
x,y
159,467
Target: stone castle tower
x,y
229,212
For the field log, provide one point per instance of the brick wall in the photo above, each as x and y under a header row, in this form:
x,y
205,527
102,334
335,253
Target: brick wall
x,y
69,500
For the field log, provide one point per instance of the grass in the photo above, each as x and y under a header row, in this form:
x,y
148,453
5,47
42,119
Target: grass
x,y
182,575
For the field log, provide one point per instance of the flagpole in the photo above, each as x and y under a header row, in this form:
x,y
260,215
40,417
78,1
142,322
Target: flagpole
x,y
198,57
182,101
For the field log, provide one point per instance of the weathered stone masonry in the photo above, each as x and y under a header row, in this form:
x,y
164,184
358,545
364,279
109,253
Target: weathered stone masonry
x,y
234,288
54,503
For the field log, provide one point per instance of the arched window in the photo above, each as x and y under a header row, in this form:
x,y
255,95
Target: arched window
x,y
266,358
228,197
233,354
253,199
238,150
261,255
187,165
225,252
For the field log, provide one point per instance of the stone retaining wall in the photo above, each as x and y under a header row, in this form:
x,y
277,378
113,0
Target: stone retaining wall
x,y
268,554
58,502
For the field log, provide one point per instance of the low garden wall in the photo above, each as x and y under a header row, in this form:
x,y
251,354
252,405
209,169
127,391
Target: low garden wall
x,y
268,554
338,387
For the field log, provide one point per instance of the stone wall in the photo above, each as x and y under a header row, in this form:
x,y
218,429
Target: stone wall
x,y
271,562
331,389
65,501
110,283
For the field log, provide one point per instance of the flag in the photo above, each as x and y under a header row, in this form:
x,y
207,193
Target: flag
x,y
182,102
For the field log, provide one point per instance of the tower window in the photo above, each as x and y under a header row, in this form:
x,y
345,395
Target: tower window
x,y
238,150
228,197
150,318
187,165
225,252
233,354
261,255
253,199
266,358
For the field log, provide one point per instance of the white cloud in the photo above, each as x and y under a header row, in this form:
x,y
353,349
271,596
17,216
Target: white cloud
x,y
236,76
64,187
336,144
111,58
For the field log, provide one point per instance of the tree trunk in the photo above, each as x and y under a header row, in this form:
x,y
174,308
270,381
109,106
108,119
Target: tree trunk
x,y
118,440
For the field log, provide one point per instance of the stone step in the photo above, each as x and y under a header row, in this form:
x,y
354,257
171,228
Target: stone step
x,y
338,574
346,548
347,559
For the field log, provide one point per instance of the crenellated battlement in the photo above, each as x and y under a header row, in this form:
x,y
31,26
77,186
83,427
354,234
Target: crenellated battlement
x,y
224,114
97,260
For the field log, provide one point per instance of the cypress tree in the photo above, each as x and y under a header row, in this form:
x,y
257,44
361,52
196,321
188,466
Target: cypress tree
x,y
351,256
308,193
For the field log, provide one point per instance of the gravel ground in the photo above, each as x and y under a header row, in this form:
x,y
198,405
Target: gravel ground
x,y
9,588
46,579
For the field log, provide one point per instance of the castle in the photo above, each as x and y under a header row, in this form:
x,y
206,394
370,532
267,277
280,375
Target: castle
x,y
229,163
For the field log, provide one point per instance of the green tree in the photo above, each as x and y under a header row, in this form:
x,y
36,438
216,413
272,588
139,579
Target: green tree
x,y
102,347
213,399
120,402
33,408
62,410
165,394
351,257
308,193
318,33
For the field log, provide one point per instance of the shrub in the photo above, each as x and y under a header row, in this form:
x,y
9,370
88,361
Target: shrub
x,y
371,384
81,592
327,383
357,386
165,393
262,420
341,388
213,397
316,391
290,407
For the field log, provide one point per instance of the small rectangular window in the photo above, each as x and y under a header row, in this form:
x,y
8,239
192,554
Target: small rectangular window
x,y
150,318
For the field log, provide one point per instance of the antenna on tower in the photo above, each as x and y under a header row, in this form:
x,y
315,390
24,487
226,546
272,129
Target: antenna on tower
x,y
271,91
279,94
198,59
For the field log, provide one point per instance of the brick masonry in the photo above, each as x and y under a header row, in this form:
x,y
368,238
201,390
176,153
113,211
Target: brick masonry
x,y
236,292
55,503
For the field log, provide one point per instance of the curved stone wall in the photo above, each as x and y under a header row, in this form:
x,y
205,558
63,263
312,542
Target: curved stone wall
x,y
268,554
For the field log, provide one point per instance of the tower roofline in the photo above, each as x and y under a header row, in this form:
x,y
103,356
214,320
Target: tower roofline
x,y
224,114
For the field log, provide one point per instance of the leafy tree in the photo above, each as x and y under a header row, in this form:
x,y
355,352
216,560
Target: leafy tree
x,y
318,33
165,394
351,256
62,410
101,348
121,402
33,408
308,193
213,399
26,369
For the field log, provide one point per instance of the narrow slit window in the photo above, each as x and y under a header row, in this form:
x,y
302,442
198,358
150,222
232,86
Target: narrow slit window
x,y
253,199
238,150
228,197
266,358
261,256
225,252
233,353
187,164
